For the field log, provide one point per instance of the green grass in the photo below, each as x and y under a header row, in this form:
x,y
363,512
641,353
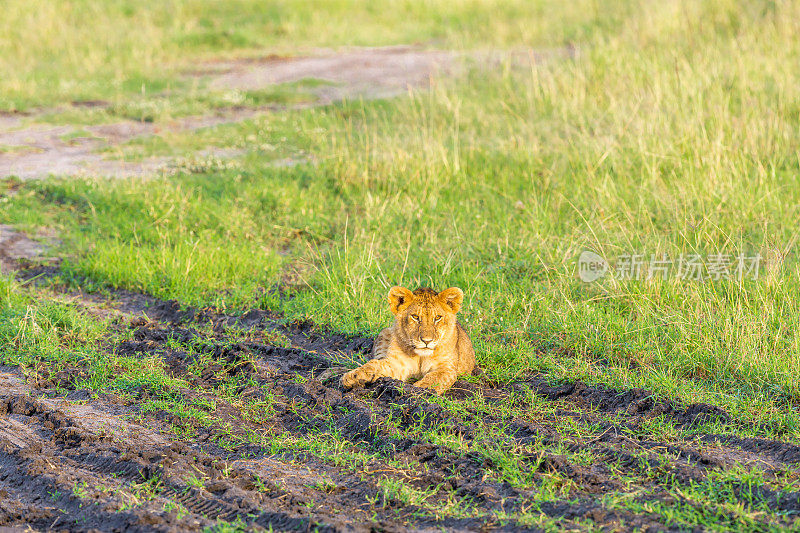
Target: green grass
x,y
667,135
51,55
183,100
674,130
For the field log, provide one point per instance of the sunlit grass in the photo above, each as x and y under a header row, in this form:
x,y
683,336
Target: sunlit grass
x,y
674,130
53,52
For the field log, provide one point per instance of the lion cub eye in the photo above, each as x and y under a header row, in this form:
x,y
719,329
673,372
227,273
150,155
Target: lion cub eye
x,y
438,318
415,318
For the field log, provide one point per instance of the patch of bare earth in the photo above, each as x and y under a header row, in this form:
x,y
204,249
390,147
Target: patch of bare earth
x,y
79,460
31,152
16,247
41,150
356,73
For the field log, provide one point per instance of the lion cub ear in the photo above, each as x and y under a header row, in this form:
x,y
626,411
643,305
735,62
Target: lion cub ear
x,y
452,298
399,299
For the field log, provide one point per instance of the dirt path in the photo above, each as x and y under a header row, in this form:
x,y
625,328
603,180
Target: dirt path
x,y
358,73
30,152
76,460
40,151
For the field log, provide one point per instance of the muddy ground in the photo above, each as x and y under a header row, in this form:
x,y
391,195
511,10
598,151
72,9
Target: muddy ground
x,y
73,459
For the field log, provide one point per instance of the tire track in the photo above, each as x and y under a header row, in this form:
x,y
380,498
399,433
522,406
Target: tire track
x,y
606,424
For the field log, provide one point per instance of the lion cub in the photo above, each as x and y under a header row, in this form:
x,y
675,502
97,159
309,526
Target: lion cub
x,y
425,342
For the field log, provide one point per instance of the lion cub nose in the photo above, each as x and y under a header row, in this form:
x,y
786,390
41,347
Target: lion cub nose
x,y
426,340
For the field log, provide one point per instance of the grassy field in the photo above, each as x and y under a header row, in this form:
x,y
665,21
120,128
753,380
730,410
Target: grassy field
x,y
50,55
673,130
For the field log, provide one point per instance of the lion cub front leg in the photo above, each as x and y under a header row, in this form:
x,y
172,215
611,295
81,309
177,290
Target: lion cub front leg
x,y
388,367
440,379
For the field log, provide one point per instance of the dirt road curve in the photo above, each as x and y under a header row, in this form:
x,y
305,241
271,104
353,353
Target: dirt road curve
x,y
40,150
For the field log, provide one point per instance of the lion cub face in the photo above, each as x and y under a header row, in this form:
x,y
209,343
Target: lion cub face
x,y
424,318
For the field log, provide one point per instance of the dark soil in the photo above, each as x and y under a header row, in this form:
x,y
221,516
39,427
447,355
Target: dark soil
x,y
75,460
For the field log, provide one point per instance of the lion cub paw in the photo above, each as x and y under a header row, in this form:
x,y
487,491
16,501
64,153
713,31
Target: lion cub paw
x,y
439,384
437,389
355,378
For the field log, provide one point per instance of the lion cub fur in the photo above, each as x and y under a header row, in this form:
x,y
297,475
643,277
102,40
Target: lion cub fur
x,y
426,342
